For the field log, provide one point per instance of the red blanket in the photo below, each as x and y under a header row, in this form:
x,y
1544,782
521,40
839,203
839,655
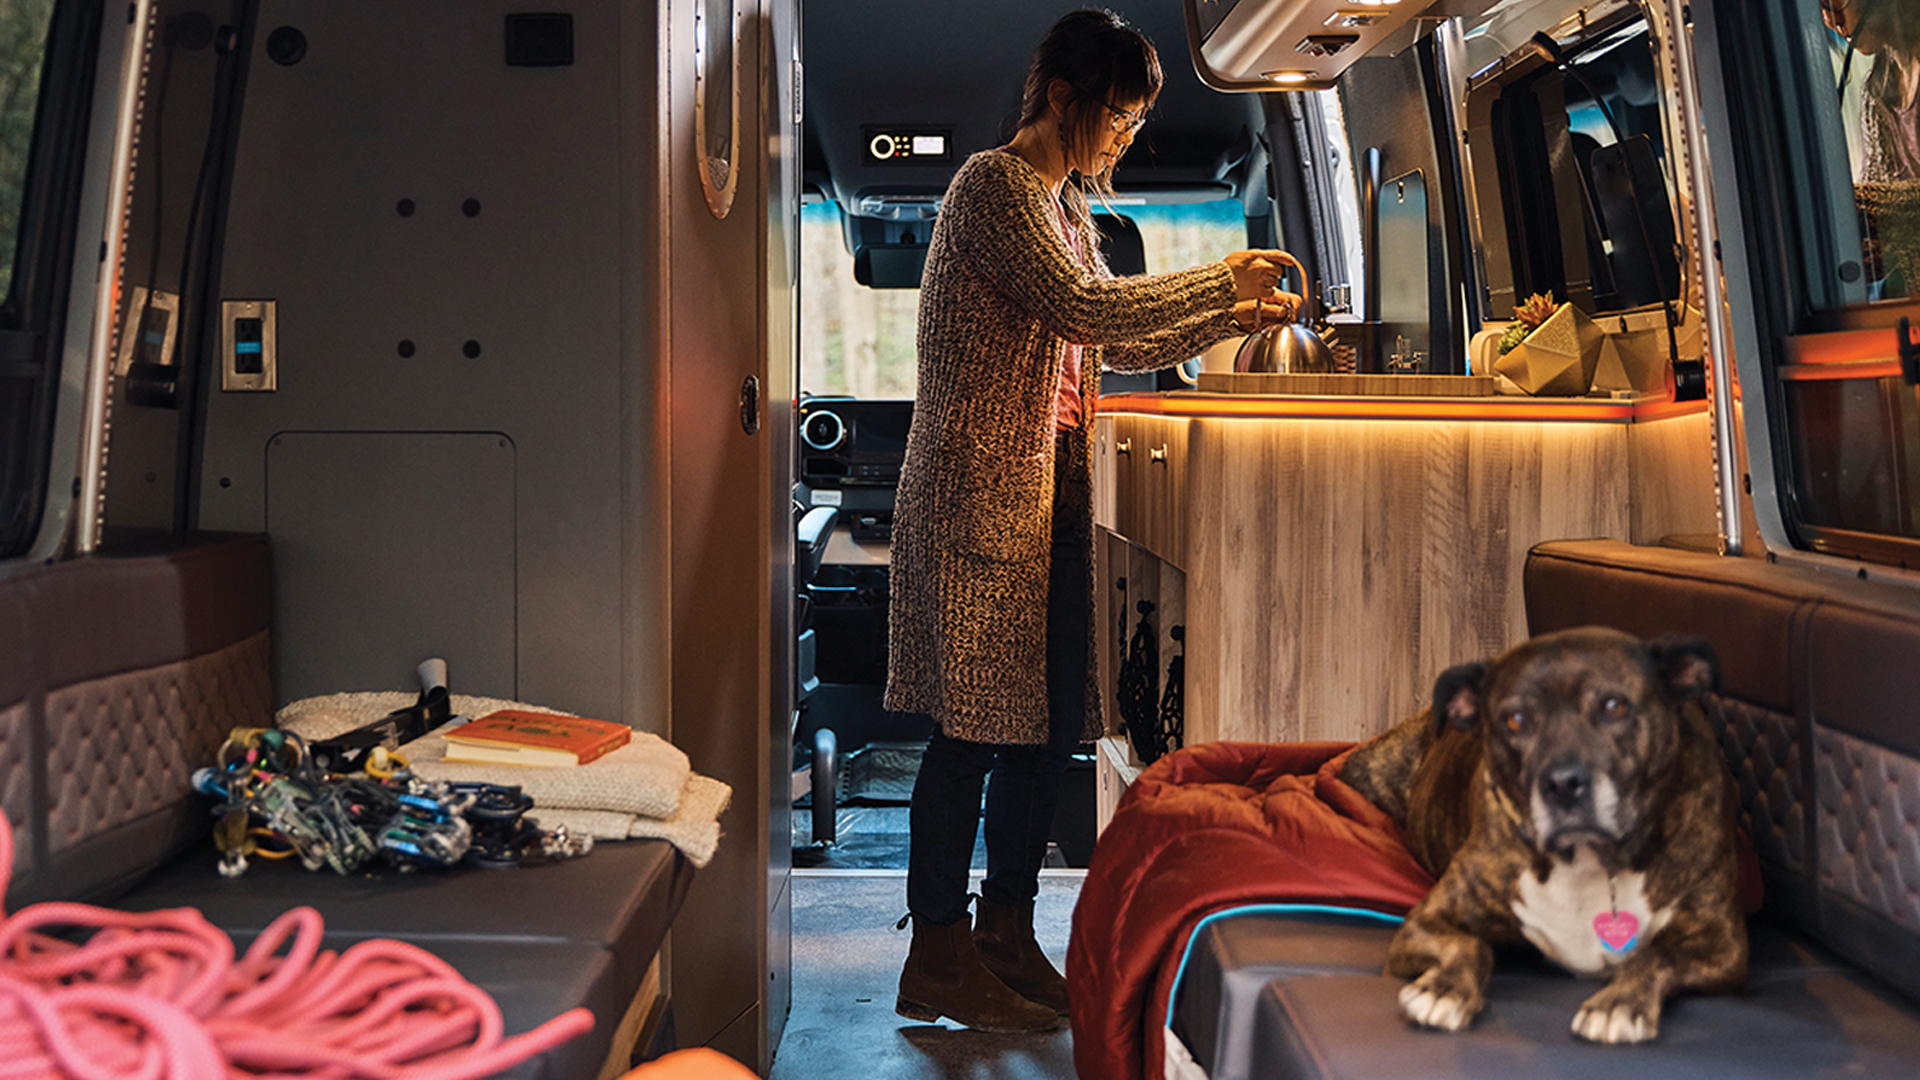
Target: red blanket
x,y
1216,826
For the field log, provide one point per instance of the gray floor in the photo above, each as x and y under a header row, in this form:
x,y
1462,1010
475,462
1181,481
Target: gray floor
x,y
846,966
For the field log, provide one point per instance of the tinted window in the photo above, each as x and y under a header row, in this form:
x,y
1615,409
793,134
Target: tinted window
x,y
23,36
45,72
1835,284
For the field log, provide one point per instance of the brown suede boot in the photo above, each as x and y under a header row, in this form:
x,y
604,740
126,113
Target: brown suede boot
x,y
944,977
1005,941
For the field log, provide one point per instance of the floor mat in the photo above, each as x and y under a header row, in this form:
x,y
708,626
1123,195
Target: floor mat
x,y
881,772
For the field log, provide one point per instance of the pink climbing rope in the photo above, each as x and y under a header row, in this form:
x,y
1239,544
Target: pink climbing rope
x,y
160,996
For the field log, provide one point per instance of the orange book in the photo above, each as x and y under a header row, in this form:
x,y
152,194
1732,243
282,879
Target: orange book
x,y
517,737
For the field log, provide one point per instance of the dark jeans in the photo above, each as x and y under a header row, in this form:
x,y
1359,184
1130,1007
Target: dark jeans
x,y
1022,782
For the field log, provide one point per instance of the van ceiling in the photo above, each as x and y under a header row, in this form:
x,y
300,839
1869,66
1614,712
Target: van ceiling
x,y
959,67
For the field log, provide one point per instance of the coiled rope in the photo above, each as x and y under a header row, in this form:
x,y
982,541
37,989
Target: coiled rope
x,y
160,996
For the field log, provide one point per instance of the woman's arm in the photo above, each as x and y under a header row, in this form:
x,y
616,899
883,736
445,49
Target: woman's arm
x,y
999,220
1171,346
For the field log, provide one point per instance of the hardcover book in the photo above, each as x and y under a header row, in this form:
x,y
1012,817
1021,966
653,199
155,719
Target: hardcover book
x,y
517,737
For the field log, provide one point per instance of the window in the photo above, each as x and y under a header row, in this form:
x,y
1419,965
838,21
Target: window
x,y
23,37
860,341
46,70
1835,120
1571,172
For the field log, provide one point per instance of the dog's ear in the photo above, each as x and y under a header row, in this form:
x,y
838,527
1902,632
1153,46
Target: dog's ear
x,y
1688,666
1457,697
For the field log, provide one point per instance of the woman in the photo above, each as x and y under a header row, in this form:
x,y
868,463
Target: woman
x,y
992,582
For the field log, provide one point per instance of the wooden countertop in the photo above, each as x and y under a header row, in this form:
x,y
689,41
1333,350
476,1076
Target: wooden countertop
x,y
1586,410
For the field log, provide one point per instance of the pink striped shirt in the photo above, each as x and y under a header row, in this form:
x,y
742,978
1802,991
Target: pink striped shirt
x,y
1067,404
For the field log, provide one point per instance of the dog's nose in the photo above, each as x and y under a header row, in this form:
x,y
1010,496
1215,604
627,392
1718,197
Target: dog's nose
x,y
1566,785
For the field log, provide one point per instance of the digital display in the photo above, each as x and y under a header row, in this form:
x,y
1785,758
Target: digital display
x,y
908,146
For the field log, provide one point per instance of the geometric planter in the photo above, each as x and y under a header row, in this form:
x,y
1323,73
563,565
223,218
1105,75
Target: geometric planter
x,y
1559,358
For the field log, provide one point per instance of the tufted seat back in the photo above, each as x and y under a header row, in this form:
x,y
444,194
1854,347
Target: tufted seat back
x,y
118,677
1821,709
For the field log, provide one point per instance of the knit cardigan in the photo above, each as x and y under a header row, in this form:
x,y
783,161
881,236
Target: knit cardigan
x,y
974,514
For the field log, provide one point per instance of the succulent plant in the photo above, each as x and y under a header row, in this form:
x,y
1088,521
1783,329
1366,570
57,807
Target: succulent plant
x,y
1515,335
1537,309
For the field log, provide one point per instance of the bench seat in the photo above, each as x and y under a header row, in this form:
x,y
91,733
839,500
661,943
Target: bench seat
x,y
1816,718
1271,997
621,897
120,675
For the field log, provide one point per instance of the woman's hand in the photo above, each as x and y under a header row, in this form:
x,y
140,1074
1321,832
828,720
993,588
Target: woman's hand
x,y
1256,274
1281,307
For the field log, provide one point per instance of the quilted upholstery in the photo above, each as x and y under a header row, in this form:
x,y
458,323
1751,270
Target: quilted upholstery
x,y
1869,825
16,780
129,670
126,745
1763,749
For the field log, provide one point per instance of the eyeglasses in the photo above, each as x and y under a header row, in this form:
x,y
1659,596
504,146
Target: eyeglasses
x,y
1122,122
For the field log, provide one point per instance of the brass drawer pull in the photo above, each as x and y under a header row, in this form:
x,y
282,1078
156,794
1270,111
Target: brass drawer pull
x,y
1158,454
1124,446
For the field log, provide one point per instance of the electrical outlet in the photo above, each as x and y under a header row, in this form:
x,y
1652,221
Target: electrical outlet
x,y
248,360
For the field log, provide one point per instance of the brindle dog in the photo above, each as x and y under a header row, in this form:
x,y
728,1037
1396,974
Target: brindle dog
x,y
1569,793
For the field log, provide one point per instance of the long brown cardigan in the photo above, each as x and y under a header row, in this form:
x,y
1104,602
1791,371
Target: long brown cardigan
x,y
973,520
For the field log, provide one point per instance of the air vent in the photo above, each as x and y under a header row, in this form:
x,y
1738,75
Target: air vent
x,y
1355,20
1325,44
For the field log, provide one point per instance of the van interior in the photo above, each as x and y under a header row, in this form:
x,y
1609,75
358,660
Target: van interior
x,y
370,364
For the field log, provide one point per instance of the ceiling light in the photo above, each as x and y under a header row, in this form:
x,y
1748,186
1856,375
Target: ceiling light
x,y
1290,78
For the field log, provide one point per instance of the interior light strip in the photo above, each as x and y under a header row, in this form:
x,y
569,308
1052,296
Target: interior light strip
x,y
1830,370
1874,344
1376,408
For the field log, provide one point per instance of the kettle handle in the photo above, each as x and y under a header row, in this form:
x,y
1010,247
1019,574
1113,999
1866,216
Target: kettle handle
x,y
1309,301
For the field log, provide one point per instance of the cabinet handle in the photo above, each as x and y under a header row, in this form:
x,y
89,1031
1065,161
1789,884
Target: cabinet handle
x,y
1158,454
1124,446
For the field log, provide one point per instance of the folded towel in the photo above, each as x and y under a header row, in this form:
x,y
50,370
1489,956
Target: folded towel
x,y
694,828
645,789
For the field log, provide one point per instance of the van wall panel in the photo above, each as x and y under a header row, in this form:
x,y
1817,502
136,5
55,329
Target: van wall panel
x,y
438,510
412,99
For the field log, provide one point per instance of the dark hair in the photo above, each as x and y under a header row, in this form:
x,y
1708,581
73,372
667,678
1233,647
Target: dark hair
x,y
1104,60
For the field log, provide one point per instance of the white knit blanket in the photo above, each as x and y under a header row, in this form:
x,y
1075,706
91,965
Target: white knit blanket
x,y
645,789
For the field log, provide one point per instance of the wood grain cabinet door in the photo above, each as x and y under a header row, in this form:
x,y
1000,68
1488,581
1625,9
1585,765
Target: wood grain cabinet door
x,y
1162,472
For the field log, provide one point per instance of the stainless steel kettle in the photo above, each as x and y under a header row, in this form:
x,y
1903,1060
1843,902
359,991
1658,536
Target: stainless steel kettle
x,y
1285,349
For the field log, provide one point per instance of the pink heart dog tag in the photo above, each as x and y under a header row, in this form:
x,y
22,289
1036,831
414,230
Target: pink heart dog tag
x,y
1618,930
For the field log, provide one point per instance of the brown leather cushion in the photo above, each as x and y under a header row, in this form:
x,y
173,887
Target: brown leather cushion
x,y
1750,611
129,673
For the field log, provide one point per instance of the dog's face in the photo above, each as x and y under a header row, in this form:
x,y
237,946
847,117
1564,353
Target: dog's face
x,y
1581,728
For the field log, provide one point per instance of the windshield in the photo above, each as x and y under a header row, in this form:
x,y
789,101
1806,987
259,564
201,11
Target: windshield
x,y
859,341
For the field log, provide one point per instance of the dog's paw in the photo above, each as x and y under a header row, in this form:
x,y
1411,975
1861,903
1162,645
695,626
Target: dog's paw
x,y
1437,1000
1618,1016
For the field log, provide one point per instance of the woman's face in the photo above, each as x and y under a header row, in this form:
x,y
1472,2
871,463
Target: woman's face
x,y
1110,127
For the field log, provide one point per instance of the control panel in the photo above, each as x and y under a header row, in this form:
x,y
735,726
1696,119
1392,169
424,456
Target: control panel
x,y
850,454
913,146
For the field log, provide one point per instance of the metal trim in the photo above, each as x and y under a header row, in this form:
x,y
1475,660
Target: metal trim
x,y
98,420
